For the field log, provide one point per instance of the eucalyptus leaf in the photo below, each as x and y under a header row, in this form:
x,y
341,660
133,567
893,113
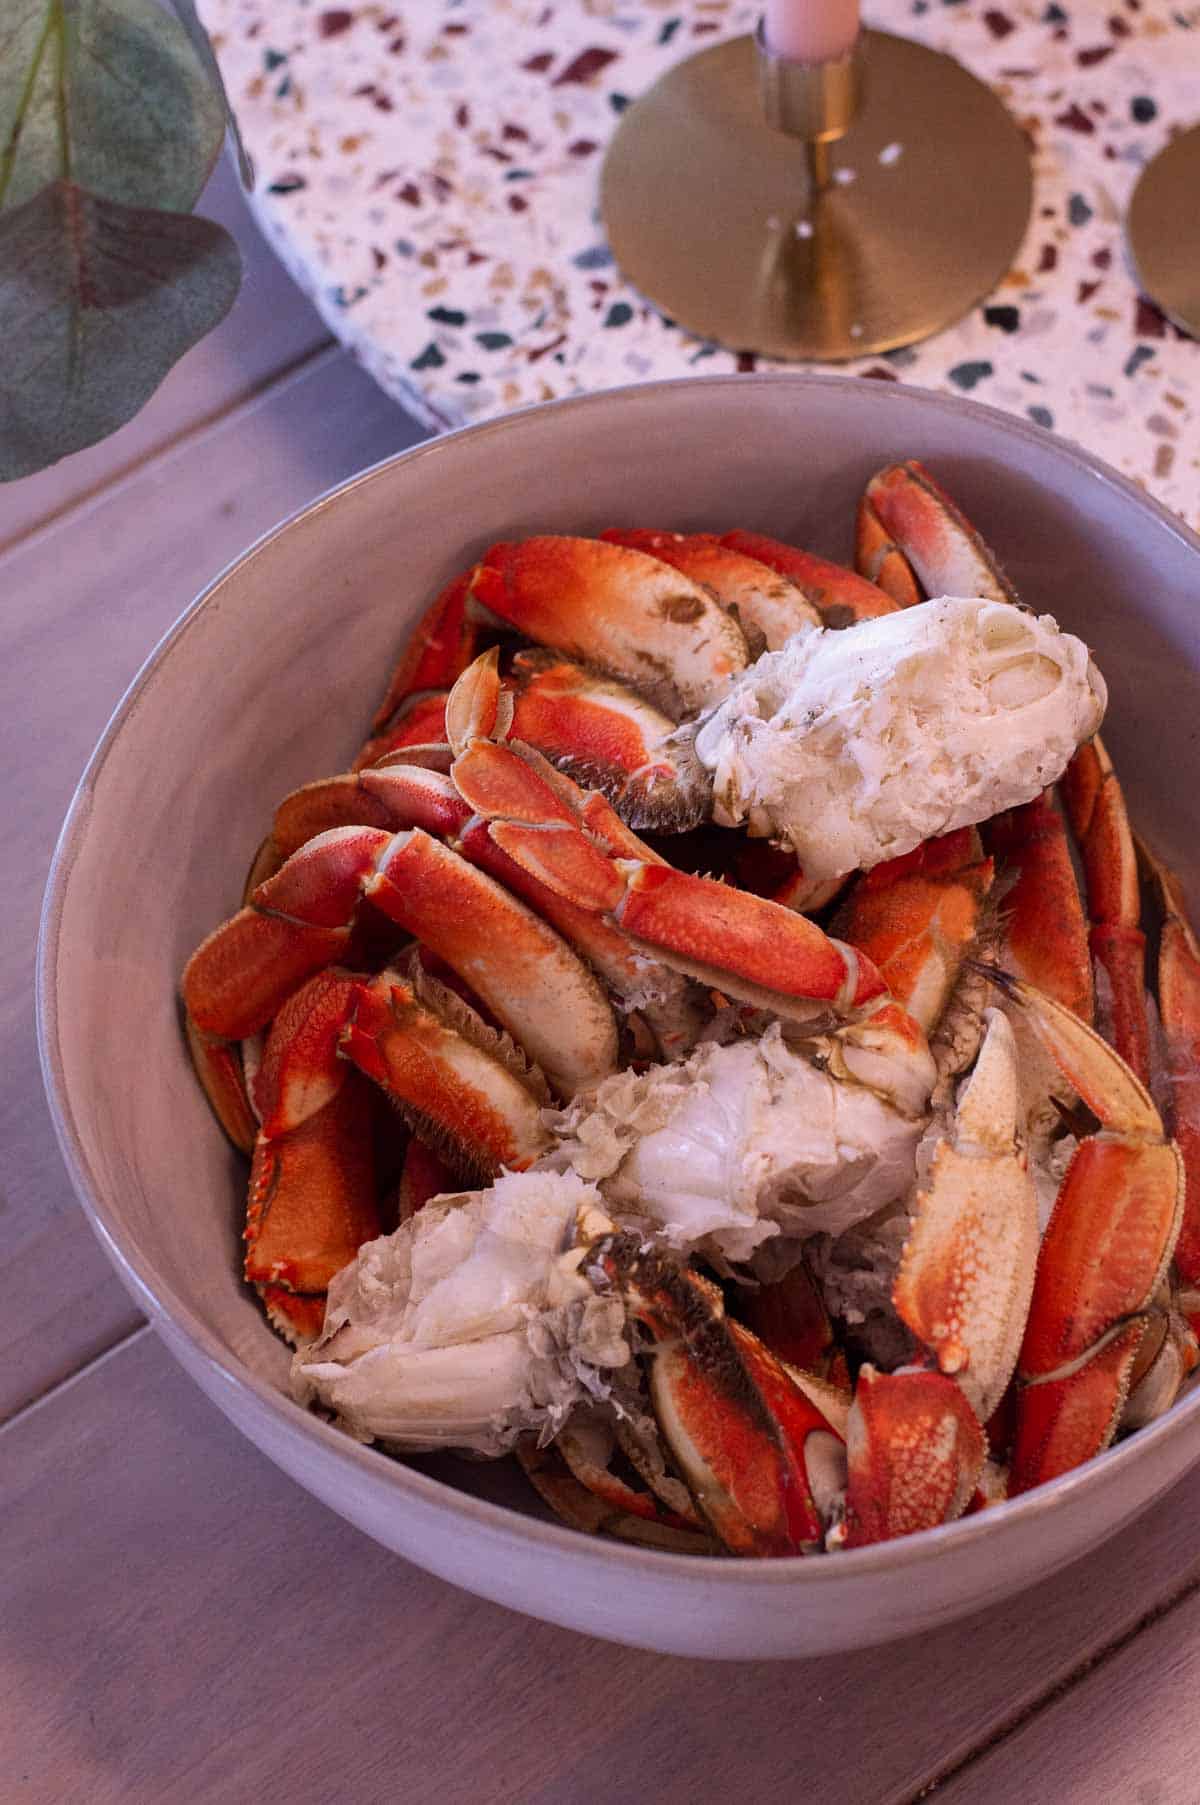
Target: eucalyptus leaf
x,y
97,301
108,94
188,17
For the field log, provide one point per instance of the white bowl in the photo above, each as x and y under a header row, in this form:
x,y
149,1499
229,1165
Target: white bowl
x,y
268,680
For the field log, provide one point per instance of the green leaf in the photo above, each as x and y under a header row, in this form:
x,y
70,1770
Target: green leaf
x,y
97,301
108,94
186,12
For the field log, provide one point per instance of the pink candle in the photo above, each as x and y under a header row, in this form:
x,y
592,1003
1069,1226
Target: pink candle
x,y
810,31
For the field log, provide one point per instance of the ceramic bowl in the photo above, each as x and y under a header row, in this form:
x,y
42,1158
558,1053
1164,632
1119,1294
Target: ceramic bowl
x,y
268,680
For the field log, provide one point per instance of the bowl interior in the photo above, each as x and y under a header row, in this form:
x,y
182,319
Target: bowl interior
x,y
271,679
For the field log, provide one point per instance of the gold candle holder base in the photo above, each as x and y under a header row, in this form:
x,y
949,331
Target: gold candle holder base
x,y
720,218
1163,230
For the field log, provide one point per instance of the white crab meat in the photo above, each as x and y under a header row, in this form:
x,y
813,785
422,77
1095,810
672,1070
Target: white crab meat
x,y
739,1144
855,746
471,1323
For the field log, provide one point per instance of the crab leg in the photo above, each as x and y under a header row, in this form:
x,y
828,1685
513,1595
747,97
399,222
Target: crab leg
x,y
1104,1255
312,1199
878,558
838,595
1096,808
299,922
217,1063
588,1444
790,1318
629,614
442,645
1045,932
398,796
753,948
916,917
604,735
605,1506
420,720
425,1174
1179,1008
459,1084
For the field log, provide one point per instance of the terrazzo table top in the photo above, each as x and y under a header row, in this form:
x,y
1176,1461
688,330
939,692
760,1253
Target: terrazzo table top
x,y
429,170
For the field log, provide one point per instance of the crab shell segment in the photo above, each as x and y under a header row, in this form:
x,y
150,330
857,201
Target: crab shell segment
x,y
735,1422
419,722
916,917
440,647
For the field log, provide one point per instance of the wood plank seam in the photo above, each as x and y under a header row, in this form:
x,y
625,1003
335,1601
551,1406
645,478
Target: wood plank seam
x,y
58,1386
1056,1693
86,497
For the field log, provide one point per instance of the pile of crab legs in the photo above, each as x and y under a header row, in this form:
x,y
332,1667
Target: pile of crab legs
x,y
535,904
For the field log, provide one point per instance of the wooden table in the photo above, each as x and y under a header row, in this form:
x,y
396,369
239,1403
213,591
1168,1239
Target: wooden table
x,y
177,1619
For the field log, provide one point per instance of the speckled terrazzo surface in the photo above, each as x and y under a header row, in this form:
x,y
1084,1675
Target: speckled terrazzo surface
x,y
429,172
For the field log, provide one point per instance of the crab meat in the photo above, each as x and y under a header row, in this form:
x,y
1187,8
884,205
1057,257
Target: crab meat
x,y
472,1323
855,746
740,1144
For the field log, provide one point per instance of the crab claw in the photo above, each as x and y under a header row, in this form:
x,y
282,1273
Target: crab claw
x,y
908,517
1103,1257
915,1451
738,1427
966,1275
620,610
839,596
768,604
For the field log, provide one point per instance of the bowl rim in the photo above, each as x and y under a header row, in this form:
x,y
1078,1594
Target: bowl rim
x,y
172,1316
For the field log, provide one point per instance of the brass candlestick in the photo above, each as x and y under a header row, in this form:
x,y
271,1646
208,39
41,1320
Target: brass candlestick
x,y
1164,230
726,207
814,102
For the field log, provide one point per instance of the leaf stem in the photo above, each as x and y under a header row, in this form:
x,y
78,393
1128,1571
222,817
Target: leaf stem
x,y
8,157
60,88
